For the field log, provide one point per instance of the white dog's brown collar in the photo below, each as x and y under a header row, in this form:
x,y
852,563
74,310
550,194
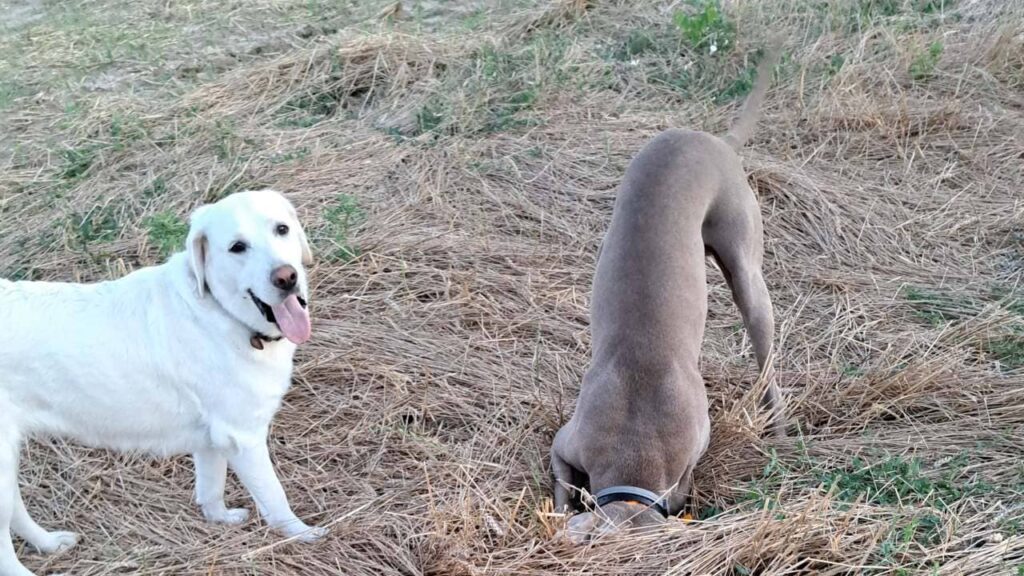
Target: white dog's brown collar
x,y
257,340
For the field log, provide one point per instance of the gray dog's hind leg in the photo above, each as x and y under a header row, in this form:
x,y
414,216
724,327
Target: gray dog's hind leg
x,y
738,247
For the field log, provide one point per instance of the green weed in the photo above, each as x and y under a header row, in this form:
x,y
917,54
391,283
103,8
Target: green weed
x,y
937,309
8,92
167,232
870,9
895,481
740,87
341,218
523,72
475,20
310,109
852,370
638,43
835,64
156,188
97,225
923,530
125,129
923,65
430,117
707,29
934,6
223,139
77,162
1009,350
20,272
502,116
291,155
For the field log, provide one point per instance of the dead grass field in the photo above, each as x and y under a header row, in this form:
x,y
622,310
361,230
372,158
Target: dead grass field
x,y
455,165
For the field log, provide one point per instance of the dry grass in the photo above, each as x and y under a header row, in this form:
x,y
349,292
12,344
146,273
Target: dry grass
x,y
456,184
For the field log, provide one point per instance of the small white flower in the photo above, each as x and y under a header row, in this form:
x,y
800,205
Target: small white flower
x,y
714,48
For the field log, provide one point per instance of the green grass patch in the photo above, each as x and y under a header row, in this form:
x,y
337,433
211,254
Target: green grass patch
x,y
9,91
224,139
77,162
851,370
1007,350
934,6
167,232
19,272
344,215
97,225
430,117
879,480
921,530
922,67
124,130
638,43
306,110
156,188
938,309
739,87
299,153
835,64
900,482
705,28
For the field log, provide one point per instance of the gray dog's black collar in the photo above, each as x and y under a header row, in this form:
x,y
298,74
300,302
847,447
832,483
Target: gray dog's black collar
x,y
632,494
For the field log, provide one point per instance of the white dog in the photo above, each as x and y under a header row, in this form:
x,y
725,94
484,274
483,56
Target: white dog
x,y
192,356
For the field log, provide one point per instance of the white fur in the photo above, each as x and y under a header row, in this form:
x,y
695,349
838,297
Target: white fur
x,y
155,362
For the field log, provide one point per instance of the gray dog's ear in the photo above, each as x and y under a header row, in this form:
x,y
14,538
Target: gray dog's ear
x,y
195,246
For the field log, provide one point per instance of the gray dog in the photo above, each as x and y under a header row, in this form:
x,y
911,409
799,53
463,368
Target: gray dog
x,y
642,422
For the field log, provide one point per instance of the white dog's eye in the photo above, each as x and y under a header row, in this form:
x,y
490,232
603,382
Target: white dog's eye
x,y
282,229
238,247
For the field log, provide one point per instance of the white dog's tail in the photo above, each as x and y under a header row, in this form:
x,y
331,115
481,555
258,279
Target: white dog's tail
x,y
743,128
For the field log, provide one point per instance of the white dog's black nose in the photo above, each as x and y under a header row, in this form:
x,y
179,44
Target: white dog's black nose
x,y
284,277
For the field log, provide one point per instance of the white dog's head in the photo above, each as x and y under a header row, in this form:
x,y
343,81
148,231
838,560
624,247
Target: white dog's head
x,y
248,251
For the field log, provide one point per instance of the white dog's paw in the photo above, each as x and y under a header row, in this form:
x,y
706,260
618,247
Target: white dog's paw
x,y
56,542
303,532
222,515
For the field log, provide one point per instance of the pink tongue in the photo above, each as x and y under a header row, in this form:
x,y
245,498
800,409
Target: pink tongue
x,y
292,319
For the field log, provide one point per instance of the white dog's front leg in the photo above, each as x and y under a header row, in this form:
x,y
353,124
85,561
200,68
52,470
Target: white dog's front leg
x,y
9,564
211,473
253,467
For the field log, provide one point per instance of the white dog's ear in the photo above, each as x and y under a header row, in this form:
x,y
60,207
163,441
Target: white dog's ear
x,y
195,245
307,254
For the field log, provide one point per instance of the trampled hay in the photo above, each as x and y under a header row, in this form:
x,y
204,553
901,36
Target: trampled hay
x,y
475,169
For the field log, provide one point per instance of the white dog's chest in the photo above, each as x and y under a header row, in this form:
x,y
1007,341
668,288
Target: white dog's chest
x,y
133,374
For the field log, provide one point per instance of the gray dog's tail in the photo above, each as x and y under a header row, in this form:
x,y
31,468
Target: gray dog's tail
x,y
743,128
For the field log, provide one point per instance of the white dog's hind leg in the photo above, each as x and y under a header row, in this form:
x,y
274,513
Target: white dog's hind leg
x,y
254,469
9,444
211,473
